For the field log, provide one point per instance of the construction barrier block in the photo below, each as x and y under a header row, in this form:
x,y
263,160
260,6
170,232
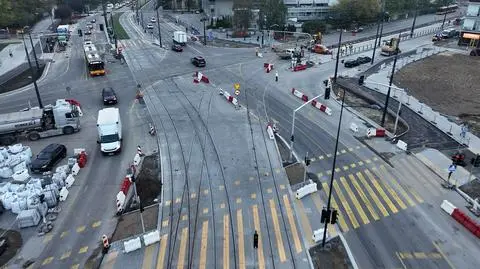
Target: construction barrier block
x,y
136,159
305,98
78,151
402,145
354,127
318,235
447,207
132,245
306,190
235,101
380,132
265,65
69,181
75,169
120,200
63,194
151,238
205,79
125,185
195,80
270,132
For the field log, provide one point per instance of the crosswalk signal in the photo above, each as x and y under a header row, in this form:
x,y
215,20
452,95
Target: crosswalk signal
x,y
334,217
361,80
101,26
325,82
327,93
307,161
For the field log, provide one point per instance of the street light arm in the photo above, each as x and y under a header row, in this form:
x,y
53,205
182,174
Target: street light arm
x,y
307,102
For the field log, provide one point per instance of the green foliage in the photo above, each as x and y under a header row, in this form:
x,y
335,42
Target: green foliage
x,y
242,14
17,14
351,12
119,31
273,12
63,12
313,27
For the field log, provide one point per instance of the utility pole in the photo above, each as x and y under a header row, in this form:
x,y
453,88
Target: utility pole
x,y
381,24
105,14
39,99
204,19
34,53
158,26
114,33
338,55
414,19
397,51
376,38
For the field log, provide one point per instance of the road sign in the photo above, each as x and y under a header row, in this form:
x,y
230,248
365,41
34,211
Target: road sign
x,y
236,86
452,168
237,92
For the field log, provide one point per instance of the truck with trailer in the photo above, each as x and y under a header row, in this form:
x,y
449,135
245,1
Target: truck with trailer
x,y
180,37
35,123
109,127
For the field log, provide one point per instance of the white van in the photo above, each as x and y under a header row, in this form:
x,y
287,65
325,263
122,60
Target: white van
x,y
109,127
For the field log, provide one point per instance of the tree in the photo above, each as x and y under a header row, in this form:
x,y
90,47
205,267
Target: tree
x,y
242,14
350,13
274,12
313,27
16,14
63,12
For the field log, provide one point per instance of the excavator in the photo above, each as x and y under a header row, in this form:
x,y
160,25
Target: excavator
x,y
391,47
317,46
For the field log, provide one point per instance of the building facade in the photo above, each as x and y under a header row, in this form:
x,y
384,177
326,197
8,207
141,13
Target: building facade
x,y
306,10
470,32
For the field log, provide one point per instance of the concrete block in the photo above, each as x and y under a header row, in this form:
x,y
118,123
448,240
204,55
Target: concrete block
x,y
402,145
75,169
448,207
318,235
63,194
270,132
151,238
132,245
354,127
69,181
306,190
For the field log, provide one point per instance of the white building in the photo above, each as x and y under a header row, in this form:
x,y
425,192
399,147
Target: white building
x,y
306,10
470,33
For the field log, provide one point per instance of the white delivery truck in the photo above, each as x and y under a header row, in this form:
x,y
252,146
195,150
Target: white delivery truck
x,y
35,123
180,37
109,128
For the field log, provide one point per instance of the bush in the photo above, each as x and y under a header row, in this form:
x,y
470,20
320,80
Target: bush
x,y
313,27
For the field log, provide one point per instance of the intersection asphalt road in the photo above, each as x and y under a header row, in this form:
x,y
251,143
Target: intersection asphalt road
x,y
90,209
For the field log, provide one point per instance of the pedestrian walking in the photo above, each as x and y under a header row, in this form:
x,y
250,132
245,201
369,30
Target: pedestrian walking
x,y
255,240
351,47
276,76
10,53
258,38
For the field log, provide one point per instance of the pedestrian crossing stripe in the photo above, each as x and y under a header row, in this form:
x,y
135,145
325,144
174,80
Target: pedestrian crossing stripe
x,y
354,199
382,193
364,197
373,195
345,205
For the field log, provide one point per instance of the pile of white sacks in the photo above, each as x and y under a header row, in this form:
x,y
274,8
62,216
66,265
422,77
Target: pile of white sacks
x,y
29,197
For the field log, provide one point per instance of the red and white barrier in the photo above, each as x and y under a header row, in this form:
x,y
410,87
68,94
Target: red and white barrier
x,y
230,98
461,217
300,95
299,67
378,132
198,76
322,107
268,67
128,181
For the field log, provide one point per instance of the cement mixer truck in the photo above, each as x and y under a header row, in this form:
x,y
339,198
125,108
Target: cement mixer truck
x,y
35,123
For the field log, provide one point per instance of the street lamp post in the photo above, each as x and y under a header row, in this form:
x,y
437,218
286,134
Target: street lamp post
x,y
158,26
114,34
338,55
414,20
444,18
376,38
381,24
34,53
397,51
204,19
39,99
333,170
292,138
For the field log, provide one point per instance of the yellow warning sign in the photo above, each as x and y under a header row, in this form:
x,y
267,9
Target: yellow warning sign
x,y
236,86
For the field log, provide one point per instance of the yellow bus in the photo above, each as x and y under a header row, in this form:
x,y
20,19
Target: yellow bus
x,y
95,64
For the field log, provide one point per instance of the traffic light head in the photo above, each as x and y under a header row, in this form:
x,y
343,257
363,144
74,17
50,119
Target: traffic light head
x,y
327,93
334,217
476,162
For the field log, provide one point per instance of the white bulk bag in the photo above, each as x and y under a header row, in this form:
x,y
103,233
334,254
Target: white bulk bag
x,y
4,152
14,149
20,166
63,168
6,172
21,176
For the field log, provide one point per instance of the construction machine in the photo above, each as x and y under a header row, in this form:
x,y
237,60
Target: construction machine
x,y
390,47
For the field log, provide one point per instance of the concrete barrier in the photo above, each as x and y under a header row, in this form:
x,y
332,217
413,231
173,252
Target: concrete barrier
x,y
318,235
69,181
306,190
75,169
151,238
448,207
402,145
63,194
132,245
354,127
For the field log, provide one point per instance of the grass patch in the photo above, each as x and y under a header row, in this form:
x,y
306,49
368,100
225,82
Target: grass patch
x,y
119,31
3,45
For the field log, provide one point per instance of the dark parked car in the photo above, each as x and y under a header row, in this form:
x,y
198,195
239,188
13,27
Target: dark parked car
x,y
351,63
198,61
177,48
364,59
108,96
48,157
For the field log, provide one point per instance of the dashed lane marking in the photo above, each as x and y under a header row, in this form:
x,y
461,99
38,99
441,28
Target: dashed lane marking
x,y
47,261
278,235
269,190
63,234
254,195
293,225
83,250
66,255
81,229
239,200
96,224
237,182
165,223
193,195
241,240
178,200
205,211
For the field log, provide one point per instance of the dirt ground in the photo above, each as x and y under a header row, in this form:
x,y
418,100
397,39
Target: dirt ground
x,y
333,256
21,80
130,224
449,83
14,243
148,181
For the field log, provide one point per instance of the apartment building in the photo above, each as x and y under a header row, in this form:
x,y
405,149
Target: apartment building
x,y
470,31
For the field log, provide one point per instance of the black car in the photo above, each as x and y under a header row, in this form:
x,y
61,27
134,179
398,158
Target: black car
x,y
109,96
177,48
351,63
48,157
364,59
198,61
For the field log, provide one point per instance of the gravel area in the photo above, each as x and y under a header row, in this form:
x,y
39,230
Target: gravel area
x,y
448,83
333,256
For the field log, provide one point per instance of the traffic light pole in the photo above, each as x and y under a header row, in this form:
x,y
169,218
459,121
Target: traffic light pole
x,y
305,170
39,99
338,55
397,50
159,32
333,170
375,43
292,138
34,53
